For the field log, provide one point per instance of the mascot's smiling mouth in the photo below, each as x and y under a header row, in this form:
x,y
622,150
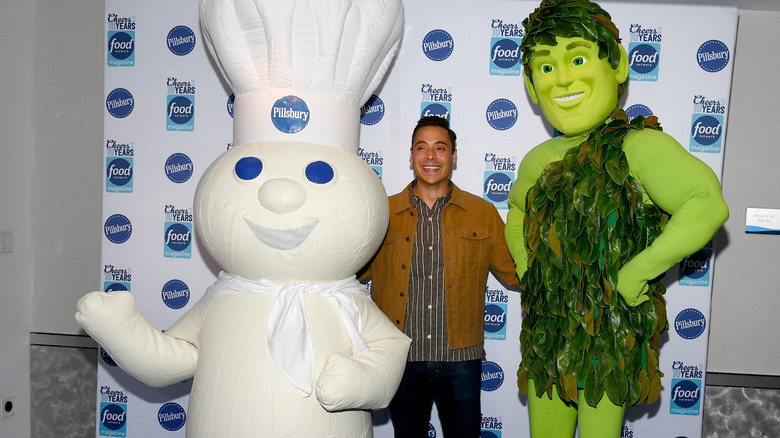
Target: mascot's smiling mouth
x,y
282,239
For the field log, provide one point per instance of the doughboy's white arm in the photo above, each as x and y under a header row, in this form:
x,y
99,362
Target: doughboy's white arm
x,y
142,351
365,380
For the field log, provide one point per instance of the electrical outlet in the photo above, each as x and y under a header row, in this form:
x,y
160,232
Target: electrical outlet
x,y
7,406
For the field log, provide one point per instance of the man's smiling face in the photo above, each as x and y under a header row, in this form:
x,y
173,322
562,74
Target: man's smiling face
x,y
576,90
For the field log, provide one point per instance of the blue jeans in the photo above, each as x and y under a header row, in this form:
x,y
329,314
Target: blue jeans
x,y
454,387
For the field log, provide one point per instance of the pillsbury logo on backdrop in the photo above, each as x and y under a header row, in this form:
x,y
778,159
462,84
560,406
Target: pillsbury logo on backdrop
x,y
180,40
644,50
491,426
118,228
495,314
690,324
113,412
121,41
119,167
106,358
685,397
116,278
499,176
492,376
628,431
171,416
505,48
178,168
180,109
231,100
431,431
707,124
178,232
713,56
175,294
437,45
373,159
120,103
637,110
695,269
372,111
501,114
290,114
436,101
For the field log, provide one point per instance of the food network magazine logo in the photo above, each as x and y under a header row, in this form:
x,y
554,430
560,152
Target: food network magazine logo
x,y
492,376
118,228
180,109
690,323
707,124
435,101
505,48
438,45
644,48
501,114
180,40
175,294
685,397
491,426
121,41
120,103
373,111
178,168
713,56
637,110
495,314
119,166
113,412
499,176
178,232
290,114
374,159
116,278
171,416
695,269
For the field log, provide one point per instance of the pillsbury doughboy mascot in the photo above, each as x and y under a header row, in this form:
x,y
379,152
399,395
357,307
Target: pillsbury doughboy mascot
x,y
286,342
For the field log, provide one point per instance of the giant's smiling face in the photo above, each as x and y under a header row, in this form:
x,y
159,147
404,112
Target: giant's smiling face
x,y
287,211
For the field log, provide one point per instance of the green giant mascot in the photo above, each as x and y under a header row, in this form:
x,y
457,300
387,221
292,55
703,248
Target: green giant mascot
x,y
596,216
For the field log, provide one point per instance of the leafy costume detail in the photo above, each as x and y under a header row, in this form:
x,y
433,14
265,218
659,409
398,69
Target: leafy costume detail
x,y
585,218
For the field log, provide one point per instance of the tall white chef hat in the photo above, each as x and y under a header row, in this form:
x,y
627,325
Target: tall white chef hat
x,y
301,69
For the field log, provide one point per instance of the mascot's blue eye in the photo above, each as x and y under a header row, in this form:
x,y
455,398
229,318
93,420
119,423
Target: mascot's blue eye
x,y
319,172
249,168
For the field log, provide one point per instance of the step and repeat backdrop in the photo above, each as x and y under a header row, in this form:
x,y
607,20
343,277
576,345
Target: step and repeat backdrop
x,y
169,114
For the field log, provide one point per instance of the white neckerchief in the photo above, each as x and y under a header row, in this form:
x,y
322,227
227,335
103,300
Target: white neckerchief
x,y
289,334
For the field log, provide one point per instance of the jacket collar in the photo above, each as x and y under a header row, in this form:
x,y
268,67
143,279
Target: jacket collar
x,y
458,199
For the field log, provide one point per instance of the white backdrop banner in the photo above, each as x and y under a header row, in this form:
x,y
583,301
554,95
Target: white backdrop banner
x,y
169,114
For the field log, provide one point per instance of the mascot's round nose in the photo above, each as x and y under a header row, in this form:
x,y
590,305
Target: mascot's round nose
x,y
281,195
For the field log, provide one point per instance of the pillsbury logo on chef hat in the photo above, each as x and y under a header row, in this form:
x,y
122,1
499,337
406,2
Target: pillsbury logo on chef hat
x,y
438,45
290,114
180,40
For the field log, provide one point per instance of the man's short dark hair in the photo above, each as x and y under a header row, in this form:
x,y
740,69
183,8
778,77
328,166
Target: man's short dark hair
x,y
435,121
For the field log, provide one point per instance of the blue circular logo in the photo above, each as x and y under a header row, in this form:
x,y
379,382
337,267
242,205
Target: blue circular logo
x,y
113,417
106,358
178,168
180,109
685,394
120,103
497,187
290,114
487,434
690,324
177,237
637,110
431,431
713,56
501,114
492,376
175,294
181,40
436,109
643,58
696,265
120,45
505,53
119,171
231,100
171,416
495,318
706,130
118,228
115,287
438,45
373,111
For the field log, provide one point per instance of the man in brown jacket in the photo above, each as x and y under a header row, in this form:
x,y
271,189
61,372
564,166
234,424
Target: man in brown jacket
x,y
429,278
